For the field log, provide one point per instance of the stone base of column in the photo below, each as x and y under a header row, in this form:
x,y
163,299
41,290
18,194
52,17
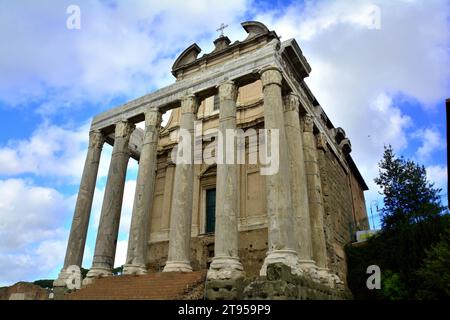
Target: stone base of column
x,y
337,283
309,267
286,257
96,272
329,278
324,275
132,269
177,266
224,268
61,280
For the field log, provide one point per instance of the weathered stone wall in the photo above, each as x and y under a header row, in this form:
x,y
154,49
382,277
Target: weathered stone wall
x,y
279,284
359,205
338,206
23,291
252,251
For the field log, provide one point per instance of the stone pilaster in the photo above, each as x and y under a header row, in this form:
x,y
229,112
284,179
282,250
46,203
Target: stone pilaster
x,y
315,198
168,188
78,231
181,211
278,191
105,246
299,189
143,197
226,264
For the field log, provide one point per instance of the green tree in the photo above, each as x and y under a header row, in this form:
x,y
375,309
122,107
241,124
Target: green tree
x,y
408,196
413,221
84,272
44,283
117,271
392,286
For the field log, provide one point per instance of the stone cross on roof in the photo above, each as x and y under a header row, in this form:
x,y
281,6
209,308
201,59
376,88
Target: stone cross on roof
x,y
221,28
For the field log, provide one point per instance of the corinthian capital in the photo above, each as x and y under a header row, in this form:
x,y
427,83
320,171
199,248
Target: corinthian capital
x,y
321,141
271,75
308,123
124,129
96,139
228,90
291,102
153,117
189,104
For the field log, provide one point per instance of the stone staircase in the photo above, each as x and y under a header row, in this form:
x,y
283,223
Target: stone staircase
x,y
153,286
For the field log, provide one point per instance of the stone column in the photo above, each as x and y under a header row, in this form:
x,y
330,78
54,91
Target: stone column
x,y
226,264
143,197
78,231
315,198
278,191
105,246
299,189
181,211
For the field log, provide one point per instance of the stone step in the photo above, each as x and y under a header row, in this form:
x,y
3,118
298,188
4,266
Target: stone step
x,y
154,286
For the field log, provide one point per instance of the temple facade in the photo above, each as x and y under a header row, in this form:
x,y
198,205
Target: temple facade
x,y
232,218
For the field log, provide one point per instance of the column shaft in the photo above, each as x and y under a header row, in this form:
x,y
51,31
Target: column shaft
x,y
278,192
226,264
181,211
105,246
143,197
299,190
314,194
78,231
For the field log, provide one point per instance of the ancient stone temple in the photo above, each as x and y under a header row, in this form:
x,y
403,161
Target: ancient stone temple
x,y
248,226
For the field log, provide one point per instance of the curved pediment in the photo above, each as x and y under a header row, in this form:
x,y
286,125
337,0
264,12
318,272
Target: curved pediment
x,y
187,56
208,170
254,28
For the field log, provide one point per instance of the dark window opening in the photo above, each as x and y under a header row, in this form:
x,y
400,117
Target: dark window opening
x,y
210,210
216,103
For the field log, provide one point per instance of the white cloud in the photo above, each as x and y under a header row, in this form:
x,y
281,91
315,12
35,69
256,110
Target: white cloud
x,y
53,151
121,50
431,141
32,237
438,175
50,151
30,213
121,253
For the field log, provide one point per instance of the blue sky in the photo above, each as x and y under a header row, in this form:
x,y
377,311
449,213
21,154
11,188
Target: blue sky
x,y
383,80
